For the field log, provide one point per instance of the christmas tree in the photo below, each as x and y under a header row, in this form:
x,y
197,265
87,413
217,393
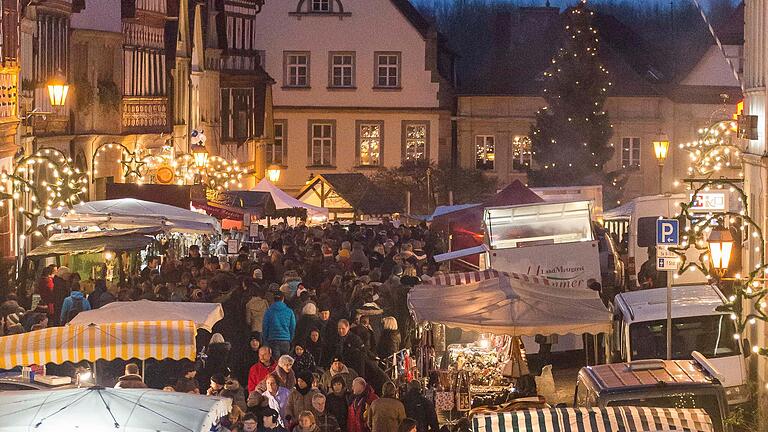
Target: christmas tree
x,y
570,139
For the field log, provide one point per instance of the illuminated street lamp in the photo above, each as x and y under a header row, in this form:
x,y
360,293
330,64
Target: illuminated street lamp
x,y
661,149
720,247
58,90
201,155
273,173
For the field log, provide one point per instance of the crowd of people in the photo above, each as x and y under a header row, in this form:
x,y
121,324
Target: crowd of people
x,y
312,318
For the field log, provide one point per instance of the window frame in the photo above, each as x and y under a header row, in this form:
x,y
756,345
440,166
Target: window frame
x,y
228,121
287,69
358,141
331,69
376,65
522,161
404,139
311,139
312,6
492,163
635,146
283,143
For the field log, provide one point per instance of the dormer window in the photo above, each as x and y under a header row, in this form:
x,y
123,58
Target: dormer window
x,y
321,5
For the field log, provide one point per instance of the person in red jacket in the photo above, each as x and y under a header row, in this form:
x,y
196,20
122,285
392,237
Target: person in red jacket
x,y
261,368
362,397
45,289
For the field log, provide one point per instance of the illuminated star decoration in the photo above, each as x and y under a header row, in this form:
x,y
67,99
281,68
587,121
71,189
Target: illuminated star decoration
x,y
132,165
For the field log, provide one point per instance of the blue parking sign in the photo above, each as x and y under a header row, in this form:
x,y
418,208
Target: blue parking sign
x,y
668,232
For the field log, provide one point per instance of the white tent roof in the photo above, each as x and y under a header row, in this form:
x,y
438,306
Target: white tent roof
x,y
133,213
100,409
204,315
508,303
283,200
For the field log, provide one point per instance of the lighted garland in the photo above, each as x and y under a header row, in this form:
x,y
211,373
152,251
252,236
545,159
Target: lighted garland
x,y
712,152
217,174
64,191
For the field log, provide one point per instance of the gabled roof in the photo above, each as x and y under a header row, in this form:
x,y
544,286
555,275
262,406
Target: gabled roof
x,y
359,191
413,15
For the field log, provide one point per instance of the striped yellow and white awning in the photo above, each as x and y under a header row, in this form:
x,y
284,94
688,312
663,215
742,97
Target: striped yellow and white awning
x,y
611,419
141,340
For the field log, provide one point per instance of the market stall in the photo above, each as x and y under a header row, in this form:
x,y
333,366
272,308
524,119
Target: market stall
x,y
628,419
98,408
204,315
284,201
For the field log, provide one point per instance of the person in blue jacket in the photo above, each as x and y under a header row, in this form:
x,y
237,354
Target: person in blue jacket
x,y
74,304
279,327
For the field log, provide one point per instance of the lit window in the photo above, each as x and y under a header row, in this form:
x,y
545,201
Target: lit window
x,y
388,70
630,152
369,143
485,151
321,5
297,69
521,153
276,149
415,141
322,144
342,70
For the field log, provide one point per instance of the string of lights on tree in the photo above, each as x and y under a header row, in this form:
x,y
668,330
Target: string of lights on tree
x,y
39,183
168,167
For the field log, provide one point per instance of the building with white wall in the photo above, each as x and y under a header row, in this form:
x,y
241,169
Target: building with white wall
x,y
361,84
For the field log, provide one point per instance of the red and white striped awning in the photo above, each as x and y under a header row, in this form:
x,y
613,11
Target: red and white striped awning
x,y
479,276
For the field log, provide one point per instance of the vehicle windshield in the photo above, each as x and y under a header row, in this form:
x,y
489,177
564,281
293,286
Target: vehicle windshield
x,y
711,335
680,400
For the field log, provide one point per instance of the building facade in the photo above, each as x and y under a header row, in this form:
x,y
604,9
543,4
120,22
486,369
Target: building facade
x,y
495,117
359,86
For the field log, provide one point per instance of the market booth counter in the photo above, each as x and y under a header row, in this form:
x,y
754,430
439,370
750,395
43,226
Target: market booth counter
x,y
508,305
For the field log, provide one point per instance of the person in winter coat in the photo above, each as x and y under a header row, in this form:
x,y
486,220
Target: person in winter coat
x,y
217,361
306,323
350,348
364,331
217,385
61,289
131,379
99,288
387,412
276,397
420,408
45,289
283,373
314,345
234,391
360,401
187,383
325,422
389,342
261,369
304,361
337,370
307,422
337,401
74,304
279,327
255,309
300,399
270,422
249,357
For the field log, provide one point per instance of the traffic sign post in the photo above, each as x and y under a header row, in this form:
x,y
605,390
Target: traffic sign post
x,y
667,234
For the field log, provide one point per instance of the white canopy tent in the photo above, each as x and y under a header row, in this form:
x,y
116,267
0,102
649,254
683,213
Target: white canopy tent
x,y
284,201
204,315
101,409
128,213
508,303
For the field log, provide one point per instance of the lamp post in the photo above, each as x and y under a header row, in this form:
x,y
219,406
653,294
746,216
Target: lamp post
x,y
661,149
273,173
58,89
720,246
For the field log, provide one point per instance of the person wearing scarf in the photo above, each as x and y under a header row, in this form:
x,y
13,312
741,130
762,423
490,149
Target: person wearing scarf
x,y
361,399
300,399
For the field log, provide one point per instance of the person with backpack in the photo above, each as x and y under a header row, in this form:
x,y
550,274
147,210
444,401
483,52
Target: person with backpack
x,y
74,304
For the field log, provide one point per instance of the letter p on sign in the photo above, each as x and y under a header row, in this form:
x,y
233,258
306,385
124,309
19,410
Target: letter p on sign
x,y
668,232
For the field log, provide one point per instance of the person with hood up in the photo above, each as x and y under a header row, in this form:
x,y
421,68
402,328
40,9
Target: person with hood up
x,y
360,402
325,422
387,412
74,304
250,356
337,370
304,360
217,360
300,399
131,379
315,346
337,401
279,327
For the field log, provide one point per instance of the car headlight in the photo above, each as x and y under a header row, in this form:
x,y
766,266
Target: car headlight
x,y
736,393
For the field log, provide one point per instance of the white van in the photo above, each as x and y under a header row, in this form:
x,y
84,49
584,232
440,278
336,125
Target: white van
x,y
639,332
